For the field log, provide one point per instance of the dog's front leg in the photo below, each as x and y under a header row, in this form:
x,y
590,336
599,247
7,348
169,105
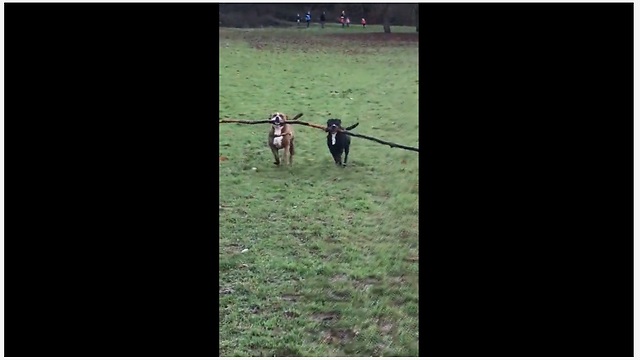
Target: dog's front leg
x,y
346,155
276,156
338,159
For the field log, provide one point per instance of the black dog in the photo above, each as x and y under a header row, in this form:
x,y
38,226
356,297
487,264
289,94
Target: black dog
x,y
337,141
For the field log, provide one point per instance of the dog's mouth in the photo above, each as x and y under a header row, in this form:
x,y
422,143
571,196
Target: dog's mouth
x,y
277,119
333,128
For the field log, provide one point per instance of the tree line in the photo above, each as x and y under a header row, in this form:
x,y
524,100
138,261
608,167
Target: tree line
x,y
283,14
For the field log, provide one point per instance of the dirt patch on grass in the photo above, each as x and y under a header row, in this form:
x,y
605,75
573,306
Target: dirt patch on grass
x,y
225,290
378,38
231,248
366,284
348,43
339,295
339,277
325,316
397,280
287,351
338,336
384,326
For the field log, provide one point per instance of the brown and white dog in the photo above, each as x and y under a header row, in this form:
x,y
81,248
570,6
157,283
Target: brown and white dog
x,y
281,137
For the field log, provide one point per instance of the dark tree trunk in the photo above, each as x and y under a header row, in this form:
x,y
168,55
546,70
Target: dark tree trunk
x,y
385,19
417,16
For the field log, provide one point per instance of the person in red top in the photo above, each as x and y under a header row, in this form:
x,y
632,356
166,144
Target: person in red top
x,y
363,22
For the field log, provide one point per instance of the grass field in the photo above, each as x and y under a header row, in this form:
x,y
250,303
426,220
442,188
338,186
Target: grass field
x,y
332,261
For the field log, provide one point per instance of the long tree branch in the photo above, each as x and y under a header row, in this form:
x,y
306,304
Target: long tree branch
x,y
251,122
393,145
321,127
358,135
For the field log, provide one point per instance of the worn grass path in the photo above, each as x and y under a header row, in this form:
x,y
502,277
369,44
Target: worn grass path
x,y
331,267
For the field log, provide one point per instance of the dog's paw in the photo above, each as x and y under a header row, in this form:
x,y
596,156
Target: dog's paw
x,y
344,165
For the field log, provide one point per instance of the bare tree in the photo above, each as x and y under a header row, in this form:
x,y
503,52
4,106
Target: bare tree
x,y
385,19
381,11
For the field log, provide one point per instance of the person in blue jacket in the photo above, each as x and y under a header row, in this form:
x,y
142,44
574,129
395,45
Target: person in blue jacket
x,y
307,17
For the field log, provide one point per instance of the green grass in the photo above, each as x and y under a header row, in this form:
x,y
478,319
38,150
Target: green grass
x,y
331,267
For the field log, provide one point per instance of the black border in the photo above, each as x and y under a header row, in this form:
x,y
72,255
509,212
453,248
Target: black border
x,y
527,194
111,180
526,204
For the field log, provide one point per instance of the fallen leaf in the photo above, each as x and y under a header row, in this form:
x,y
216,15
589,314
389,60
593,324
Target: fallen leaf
x,y
223,158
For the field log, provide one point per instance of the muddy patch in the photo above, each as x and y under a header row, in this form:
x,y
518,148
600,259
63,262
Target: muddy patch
x,y
392,38
287,351
397,280
366,284
338,336
291,314
225,290
339,295
325,316
338,278
253,309
349,44
385,327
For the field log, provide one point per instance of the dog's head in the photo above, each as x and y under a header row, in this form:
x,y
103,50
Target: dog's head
x,y
278,119
333,125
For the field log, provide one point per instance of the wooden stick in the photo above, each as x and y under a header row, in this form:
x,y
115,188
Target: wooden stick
x,y
251,122
383,142
358,135
321,127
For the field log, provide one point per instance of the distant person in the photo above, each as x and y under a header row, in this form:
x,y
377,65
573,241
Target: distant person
x,y
307,18
342,18
363,22
323,18
298,19
348,22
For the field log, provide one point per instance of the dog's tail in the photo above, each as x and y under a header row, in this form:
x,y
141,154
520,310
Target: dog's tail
x,y
297,117
353,126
